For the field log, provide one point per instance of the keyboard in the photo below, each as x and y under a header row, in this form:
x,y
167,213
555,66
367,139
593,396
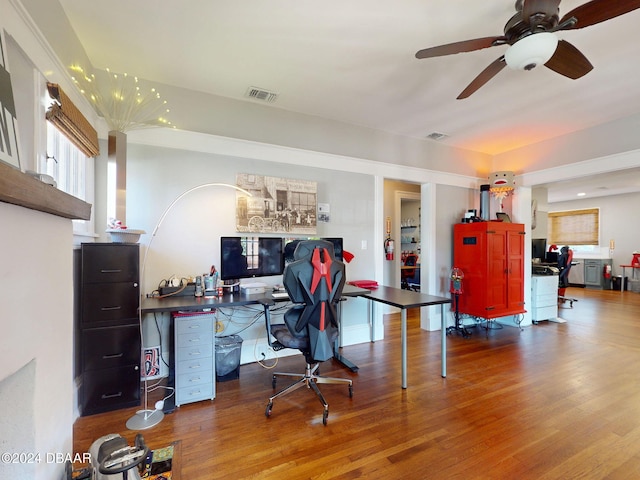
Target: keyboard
x,y
280,295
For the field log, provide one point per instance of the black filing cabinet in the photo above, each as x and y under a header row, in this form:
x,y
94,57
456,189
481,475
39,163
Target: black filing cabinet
x,y
107,326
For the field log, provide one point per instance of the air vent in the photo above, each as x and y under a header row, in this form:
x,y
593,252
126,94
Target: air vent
x,y
437,136
261,94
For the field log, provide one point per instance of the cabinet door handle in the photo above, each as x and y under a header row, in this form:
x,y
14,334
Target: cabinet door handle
x,y
112,395
106,309
113,355
105,270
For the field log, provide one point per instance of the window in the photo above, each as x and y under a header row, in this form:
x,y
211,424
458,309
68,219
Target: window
x,y
72,171
574,227
65,163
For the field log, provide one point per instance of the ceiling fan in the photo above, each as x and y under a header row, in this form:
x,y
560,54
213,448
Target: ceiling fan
x,y
532,41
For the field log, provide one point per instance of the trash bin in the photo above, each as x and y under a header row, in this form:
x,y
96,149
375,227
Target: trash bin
x,y
617,280
228,351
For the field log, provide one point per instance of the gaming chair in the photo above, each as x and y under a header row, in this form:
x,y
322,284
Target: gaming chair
x,y
314,282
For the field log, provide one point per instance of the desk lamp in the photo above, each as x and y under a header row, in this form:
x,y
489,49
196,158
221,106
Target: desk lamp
x,y
146,418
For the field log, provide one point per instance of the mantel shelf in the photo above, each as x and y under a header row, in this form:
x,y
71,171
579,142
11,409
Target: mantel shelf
x,y
21,189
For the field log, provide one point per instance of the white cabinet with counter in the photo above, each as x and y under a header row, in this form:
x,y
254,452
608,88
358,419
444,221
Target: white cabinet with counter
x,y
544,298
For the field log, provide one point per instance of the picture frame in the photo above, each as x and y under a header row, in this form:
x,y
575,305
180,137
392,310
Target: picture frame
x,y
9,139
277,205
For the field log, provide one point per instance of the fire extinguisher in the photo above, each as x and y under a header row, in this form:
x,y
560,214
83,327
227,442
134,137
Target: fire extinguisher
x,y
388,248
607,271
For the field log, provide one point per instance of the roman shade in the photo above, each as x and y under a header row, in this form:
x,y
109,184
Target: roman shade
x,y
574,227
71,122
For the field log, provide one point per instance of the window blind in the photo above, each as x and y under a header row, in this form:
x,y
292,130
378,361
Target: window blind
x,y
574,227
71,122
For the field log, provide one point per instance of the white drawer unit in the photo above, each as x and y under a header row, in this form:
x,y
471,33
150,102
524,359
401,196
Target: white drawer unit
x,y
195,371
544,297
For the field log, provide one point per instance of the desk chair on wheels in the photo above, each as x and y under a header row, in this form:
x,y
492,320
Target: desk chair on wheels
x,y
314,282
408,273
564,266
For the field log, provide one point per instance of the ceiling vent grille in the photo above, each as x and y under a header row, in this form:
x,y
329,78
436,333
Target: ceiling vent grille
x,y
437,136
261,94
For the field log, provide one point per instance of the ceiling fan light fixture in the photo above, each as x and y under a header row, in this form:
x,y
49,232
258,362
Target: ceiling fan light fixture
x,y
528,52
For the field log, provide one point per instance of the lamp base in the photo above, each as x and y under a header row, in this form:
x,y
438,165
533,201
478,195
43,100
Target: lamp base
x,y
144,419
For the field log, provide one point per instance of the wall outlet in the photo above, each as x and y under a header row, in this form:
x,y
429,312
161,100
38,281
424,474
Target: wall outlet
x,y
262,351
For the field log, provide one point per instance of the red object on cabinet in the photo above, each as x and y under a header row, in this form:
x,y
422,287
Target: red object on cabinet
x,y
491,256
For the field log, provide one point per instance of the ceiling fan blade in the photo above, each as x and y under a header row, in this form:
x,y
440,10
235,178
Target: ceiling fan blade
x,y
532,7
598,11
487,74
569,61
459,47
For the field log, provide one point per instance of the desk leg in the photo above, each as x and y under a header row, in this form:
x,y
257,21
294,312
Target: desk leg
x,y
336,347
403,334
443,345
622,282
372,319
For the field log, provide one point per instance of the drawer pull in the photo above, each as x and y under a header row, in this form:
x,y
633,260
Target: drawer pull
x,y
104,270
194,366
193,354
194,379
195,392
194,340
194,326
113,355
107,309
113,395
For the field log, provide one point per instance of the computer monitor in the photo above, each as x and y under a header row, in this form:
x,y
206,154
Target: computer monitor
x,y
246,257
538,248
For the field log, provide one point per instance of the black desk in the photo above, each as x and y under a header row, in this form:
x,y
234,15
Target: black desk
x,y
204,304
196,304
396,297
404,299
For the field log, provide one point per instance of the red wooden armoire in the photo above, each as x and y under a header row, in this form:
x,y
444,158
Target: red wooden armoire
x,y
491,256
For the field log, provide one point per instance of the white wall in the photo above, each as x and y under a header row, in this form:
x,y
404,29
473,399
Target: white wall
x,y
36,302
618,221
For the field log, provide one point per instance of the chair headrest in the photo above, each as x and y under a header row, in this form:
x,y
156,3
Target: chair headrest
x,y
305,249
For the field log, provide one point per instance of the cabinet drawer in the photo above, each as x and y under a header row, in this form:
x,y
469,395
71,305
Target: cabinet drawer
x,y
193,339
110,347
110,263
194,394
110,389
550,300
198,365
544,313
195,352
107,302
197,324
191,379
546,285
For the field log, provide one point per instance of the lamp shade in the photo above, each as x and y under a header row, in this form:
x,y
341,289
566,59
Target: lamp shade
x,y
531,51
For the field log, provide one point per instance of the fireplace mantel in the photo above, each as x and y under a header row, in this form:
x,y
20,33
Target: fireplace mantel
x,y
21,189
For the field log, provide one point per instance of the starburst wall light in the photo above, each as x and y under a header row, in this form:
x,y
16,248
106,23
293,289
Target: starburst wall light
x,y
122,100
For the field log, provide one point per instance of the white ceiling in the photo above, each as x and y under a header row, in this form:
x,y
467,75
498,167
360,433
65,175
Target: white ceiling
x,y
354,62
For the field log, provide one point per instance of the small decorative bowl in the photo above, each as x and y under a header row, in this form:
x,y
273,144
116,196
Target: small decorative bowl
x,y
124,235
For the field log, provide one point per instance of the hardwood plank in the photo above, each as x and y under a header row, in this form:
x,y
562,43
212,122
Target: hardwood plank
x,y
551,401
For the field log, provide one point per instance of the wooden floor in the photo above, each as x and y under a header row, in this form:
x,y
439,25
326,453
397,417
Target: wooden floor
x,y
554,401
